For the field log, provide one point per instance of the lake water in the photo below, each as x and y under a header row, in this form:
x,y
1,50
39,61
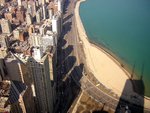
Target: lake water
x,y
123,27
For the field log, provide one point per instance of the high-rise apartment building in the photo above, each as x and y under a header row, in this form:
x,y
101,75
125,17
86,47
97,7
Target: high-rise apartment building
x,y
36,39
6,26
28,19
8,16
3,70
38,16
14,68
20,15
4,41
2,2
44,10
60,6
19,3
40,71
19,34
57,23
50,13
43,29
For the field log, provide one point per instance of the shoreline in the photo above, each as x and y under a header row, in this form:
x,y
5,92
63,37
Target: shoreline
x,y
111,55
87,43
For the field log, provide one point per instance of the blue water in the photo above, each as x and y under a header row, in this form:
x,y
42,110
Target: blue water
x,y
123,27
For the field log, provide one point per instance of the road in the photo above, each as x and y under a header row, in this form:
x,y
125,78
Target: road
x,y
67,59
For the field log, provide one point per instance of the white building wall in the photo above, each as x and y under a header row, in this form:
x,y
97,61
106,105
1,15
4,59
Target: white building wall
x,y
16,33
55,25
37,53
38,16
44,12
50,12
36,39
28,19
19,3
60,8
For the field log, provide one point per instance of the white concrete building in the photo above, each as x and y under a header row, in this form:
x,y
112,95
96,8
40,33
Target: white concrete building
x,y
57,23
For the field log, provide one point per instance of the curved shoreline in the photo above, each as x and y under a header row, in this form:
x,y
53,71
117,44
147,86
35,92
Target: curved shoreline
x,y
92,64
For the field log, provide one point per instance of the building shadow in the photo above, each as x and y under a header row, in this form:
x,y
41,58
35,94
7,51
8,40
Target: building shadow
x,y
14,26
63,42
135,103
66,4
77,72
69,72
67,18
68,65
67,51
66,28
69,89
20,86
72,87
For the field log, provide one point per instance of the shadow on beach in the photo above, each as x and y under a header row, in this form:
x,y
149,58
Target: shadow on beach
x,y
68,17
136,101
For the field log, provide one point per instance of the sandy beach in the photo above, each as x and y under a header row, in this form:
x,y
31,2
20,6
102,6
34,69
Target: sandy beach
x,y
104,67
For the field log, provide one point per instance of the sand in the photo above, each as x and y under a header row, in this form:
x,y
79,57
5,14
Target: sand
x,y
104,67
